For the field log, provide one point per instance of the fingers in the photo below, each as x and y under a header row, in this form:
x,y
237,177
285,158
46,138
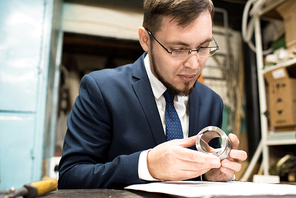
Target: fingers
x,y
238,155
170,161
225,172
193,156
232,164
198,160
234,140
227,164
187,142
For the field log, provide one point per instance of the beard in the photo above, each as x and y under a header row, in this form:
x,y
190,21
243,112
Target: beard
x,y
185,92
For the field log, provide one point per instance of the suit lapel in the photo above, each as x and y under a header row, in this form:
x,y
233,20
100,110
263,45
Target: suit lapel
x,y
143,91
194,101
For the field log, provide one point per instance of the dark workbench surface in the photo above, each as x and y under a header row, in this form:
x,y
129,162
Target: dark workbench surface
x,y
108,193
102,193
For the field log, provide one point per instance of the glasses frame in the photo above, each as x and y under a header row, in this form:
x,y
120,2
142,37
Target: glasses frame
x,y
189,50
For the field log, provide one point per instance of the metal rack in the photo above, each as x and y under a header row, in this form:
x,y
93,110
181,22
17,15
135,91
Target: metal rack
x,y
268,138
226,34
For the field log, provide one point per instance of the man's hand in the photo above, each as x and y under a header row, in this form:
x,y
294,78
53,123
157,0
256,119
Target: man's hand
x,y
228,166
173,161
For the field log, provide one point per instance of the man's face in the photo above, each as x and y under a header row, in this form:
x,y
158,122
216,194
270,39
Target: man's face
x,y
180,76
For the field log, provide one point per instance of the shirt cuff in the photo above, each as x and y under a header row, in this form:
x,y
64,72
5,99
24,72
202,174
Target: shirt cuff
x,y
143,168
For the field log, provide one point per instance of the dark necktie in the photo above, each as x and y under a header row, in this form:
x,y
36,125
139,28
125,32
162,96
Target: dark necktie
x,y
172,120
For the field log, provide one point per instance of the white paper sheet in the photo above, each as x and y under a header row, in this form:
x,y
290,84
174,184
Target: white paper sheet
x,y
208,189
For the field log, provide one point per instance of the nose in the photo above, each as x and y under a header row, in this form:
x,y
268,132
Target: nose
x,y
193,61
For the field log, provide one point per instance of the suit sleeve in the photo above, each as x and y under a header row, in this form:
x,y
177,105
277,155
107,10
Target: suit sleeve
x,y
85,163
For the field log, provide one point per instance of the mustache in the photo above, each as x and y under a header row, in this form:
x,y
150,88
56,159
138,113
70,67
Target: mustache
x,y
189,72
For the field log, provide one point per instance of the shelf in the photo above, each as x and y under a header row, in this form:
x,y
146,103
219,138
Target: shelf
x,y
281,138
280,142
270,7
284,64
268,138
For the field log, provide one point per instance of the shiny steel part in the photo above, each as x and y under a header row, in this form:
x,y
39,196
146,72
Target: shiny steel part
x,y
209,133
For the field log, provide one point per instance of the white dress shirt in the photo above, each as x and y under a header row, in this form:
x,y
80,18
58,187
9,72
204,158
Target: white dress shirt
x,y
180,103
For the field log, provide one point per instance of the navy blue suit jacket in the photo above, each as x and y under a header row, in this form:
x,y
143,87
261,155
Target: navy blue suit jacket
x,y
114,118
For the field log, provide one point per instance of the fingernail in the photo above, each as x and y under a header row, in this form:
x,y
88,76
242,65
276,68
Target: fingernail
x,y
233,153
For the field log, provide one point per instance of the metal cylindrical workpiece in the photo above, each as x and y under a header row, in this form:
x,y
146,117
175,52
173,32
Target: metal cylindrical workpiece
x,y
209,133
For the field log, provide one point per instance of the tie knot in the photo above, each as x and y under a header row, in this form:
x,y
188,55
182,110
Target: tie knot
x,y
169,97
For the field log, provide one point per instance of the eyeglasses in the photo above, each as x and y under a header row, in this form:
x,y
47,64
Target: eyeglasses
x,y
184,53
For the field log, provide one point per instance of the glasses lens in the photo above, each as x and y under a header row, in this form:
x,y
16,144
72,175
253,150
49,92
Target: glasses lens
x,y
213,50
180,53
210,50
205,51
202,52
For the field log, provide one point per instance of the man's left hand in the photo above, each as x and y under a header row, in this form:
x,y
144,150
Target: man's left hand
x,y
230,165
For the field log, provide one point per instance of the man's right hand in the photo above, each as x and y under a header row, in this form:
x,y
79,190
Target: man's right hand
x,y
173,161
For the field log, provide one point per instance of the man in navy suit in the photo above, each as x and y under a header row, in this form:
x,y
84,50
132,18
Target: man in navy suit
x,y
116,130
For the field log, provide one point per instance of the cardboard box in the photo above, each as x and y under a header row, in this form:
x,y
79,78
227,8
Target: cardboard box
x,y
288,12
282,98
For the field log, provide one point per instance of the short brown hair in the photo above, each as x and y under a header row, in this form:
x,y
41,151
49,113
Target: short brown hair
x,y
184,11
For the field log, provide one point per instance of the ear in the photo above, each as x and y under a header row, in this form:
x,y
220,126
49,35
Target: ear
x,y
144,38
